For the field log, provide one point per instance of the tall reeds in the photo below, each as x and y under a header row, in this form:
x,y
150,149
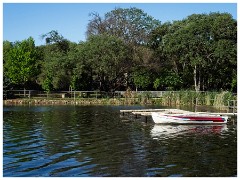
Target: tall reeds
x,y
222,99
216,99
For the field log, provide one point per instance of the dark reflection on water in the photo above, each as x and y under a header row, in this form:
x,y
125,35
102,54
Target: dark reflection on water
x,y
94,141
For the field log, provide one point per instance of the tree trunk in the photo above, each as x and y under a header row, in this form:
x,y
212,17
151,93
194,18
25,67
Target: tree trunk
x,y
24,92
196,83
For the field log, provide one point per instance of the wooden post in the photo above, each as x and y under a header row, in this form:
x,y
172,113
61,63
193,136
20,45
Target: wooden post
x,y
228,105
74,95
234,106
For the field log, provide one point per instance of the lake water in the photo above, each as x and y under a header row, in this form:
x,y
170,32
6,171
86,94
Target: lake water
x,y
94,141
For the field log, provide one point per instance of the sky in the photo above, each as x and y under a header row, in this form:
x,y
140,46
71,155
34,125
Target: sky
x,y
22,20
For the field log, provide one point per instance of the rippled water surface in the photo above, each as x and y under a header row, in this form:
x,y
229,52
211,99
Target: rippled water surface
x,y
92,141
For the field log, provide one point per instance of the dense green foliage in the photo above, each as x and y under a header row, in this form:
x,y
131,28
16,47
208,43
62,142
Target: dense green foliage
x,y
20,61
129,49
203,47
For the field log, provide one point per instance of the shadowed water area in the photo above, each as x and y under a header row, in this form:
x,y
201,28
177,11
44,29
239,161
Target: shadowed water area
x,y
93,141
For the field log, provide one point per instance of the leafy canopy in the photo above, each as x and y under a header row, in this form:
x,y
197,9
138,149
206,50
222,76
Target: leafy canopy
x,y
21,62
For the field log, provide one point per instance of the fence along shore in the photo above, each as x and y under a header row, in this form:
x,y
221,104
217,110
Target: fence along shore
x,y
220,100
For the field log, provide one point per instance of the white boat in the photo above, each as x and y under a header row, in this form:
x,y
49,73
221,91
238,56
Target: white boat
x,y
190,118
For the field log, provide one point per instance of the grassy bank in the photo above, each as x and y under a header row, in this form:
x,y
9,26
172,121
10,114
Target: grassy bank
x,y
215,99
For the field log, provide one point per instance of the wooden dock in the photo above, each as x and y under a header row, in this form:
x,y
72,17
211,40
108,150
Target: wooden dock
x,y
146,113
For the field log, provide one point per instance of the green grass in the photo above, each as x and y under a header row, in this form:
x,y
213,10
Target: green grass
x,y
170,98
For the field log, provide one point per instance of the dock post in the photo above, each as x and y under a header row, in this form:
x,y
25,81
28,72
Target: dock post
x,y
145,119
136,116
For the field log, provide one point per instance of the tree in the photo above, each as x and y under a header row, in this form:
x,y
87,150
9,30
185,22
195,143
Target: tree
x,y
52,37
131,25
21,63
224,52
165,62
141,78
7,46
168,79
106,58
128,48
57,67
195,48
56,39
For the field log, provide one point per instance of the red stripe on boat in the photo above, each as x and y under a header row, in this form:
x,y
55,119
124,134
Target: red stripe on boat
x,y
202,118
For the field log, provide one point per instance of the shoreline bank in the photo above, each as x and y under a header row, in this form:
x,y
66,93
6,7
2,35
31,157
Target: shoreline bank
x,y
163,98
88,101
105,101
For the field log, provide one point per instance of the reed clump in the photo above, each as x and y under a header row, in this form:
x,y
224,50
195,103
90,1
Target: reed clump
x,y
216,99
179,98
222,99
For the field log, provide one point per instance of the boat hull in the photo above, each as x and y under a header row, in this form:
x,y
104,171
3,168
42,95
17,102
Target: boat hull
x,y
160,118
